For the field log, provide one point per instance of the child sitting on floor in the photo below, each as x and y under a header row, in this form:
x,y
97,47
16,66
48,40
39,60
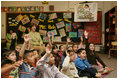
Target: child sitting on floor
x,y
75,46
46,65
61,50
64,53
26,70
9,66
68,67
17,50
83,67
36,56
9,63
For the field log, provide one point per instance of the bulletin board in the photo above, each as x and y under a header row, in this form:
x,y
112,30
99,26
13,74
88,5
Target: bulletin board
x,y
60,23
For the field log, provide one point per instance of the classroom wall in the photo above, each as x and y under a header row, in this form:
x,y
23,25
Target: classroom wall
x,y
103,6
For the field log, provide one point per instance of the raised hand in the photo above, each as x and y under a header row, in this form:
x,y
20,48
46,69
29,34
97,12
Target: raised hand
x,y
86,34
52,35
67,54
48,34
26,38
81,38
68,39
48,51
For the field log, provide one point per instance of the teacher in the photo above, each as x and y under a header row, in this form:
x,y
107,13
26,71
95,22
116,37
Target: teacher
x,y
36,41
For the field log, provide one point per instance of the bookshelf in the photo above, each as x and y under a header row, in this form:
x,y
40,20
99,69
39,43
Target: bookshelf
x,y
110,27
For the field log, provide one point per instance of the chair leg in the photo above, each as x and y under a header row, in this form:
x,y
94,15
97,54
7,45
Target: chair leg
x,y
109,54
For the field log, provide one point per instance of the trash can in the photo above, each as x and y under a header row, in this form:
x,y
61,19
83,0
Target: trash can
x,y
102,49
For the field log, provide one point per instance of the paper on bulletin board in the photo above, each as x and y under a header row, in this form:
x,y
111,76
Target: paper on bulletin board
x,y
45,39
76,25
80,32
73,34
29,30
52,16
54,32
62,32
42,16
43,32
85,12
35,21
25,20
60,24
22,28
67,15
68,27
57,39
19,18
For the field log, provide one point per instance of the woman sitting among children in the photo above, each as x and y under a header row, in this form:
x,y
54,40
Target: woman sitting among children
x,y
93,58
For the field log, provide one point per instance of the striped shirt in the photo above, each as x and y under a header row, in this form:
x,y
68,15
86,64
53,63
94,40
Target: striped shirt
x,y
26,71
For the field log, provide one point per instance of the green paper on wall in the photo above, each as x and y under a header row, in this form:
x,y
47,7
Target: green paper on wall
x,y
73,34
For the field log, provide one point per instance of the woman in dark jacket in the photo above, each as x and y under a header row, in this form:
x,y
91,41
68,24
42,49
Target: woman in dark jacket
x,y
93,58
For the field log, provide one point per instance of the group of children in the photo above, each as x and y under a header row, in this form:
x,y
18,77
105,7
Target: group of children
x,y
66,62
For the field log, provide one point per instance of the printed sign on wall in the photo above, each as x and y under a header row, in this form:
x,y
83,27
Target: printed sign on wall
x,y
85,12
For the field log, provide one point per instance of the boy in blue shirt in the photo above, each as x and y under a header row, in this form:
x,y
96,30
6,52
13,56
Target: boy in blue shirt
x,y
83,67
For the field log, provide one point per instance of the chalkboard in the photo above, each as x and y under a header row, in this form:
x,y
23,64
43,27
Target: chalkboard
x,y
19,22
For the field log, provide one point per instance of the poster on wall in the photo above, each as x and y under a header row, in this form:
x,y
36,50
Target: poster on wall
x,y
85,12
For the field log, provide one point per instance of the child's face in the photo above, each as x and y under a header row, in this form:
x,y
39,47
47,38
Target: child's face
x,y
70,48
86,6
62,48
36,54
30,59
92,47
51,59
12,57
55,50
11,31
72,56
82,55
75,48
18,48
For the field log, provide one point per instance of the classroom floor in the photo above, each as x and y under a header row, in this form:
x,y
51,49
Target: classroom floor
x,y
112,62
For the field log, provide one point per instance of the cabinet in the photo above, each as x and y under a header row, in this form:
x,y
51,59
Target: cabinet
x,y
110,27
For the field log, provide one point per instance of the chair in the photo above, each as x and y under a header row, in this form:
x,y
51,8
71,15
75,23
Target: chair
x,y
113,48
